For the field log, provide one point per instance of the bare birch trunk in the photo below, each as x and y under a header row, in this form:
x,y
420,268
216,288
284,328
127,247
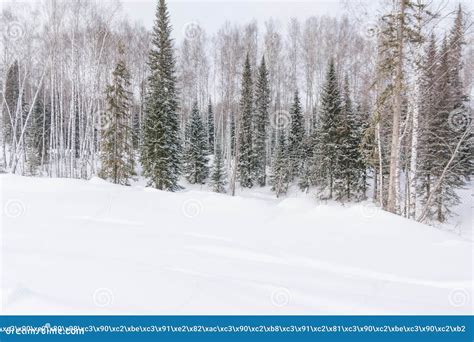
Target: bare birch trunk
x,y
393,182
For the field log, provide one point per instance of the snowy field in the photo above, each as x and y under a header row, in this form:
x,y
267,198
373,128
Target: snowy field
x,y
89,247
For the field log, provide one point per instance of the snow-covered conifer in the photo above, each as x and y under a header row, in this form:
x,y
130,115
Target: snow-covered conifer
x,y
195,151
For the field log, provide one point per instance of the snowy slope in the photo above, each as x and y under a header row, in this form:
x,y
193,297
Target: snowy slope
x,y
89,247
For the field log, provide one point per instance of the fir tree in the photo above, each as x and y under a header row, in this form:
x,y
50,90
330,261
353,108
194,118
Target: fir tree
x,y
461,113
350,163
161,148
427,113
12,94
307,149
262,103
326,169
210,127
218,174
296,137
281,172
246,156
116,152
195,154
37,136
446,119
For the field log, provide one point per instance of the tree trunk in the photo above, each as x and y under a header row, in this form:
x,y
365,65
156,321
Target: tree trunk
x,y
393,181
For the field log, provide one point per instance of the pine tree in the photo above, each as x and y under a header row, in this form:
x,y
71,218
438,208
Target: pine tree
x,y
210,127
161,148
195,154
116,145
246,156
218,174
262,103
326,170
281,172
296,137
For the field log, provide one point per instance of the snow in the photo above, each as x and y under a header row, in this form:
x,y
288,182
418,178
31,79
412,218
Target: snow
x,y
90,247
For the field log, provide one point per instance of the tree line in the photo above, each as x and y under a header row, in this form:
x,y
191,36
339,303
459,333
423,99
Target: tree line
x,y
384,114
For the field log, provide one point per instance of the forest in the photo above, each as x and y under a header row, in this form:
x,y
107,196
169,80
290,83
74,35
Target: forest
x,y
337,107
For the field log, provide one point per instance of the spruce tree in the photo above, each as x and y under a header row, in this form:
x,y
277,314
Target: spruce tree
x,y
161,149
461,113
446,119
218,174
350,163
326,169
281,171
36,137
246,156
210,127
262,103
428,138
296,137
12,94
116,145
307,149
195,153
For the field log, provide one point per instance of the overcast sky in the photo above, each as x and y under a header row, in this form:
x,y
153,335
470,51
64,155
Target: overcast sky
x,y
211,15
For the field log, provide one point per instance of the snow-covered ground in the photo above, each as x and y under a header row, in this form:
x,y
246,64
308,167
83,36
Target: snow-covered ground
x,y
89,247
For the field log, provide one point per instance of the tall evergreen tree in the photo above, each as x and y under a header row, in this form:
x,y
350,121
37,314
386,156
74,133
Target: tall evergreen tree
x,y
327,153
37,136
461,113
246,156
210,127
428,138
307,149
443,167
218,174
350,164
116,146
296,137
161,150
195,154
262,103
12,111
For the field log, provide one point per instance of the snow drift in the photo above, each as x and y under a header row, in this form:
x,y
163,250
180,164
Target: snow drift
x,y
89,247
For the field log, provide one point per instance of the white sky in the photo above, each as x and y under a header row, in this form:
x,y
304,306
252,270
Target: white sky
x,y
212,14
